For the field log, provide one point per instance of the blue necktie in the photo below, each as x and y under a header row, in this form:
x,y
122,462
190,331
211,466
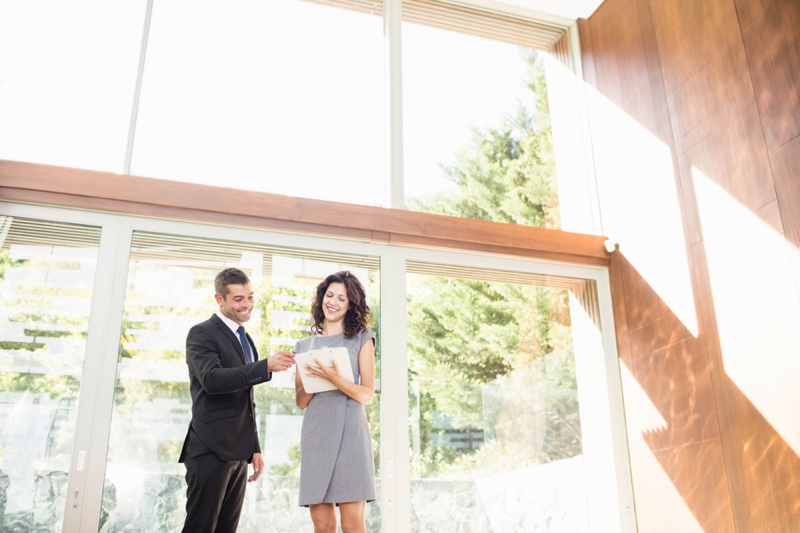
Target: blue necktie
x,y
248,356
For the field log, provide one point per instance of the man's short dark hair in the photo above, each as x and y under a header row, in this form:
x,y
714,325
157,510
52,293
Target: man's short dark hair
x,y
229,276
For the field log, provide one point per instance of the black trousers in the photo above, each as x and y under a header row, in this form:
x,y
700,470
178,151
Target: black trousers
x,y
214,494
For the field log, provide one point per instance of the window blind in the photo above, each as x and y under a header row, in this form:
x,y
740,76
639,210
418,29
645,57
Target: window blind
x,y
466,19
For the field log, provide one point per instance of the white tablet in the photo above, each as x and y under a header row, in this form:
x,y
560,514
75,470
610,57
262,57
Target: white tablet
x,y
326,356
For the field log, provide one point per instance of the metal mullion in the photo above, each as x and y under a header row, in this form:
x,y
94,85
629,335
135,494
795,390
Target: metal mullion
x,y
392,23
87,472
137,92
396,493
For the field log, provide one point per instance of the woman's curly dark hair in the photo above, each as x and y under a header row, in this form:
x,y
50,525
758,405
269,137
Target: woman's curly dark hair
x,y
358,313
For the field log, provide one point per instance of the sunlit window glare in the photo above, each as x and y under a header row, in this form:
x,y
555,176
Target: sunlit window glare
x,y
453,83
284,97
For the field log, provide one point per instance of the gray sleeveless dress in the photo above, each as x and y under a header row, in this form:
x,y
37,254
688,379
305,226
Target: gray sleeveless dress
x,y
336,462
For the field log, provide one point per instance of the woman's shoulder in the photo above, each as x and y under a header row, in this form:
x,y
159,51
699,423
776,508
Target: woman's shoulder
x,y
302,345
364,335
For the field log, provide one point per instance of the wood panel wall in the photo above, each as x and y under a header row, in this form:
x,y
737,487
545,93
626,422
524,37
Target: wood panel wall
x,y
695,123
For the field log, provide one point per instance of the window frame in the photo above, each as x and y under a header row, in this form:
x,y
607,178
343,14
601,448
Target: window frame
x,y
91,443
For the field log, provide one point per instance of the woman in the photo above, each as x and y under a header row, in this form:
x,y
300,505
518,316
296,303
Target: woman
x,y
336,463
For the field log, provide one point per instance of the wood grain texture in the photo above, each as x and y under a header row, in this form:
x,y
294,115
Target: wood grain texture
x,y
771,36
762,469
628,70
702,100
617,279
698,472
677,379
693,35
734,157
786,168
100,191
644,306
728,71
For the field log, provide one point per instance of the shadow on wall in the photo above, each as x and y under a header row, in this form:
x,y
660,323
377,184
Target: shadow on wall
x,y
717,459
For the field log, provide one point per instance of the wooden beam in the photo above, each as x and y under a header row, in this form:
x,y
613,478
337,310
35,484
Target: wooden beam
x,y
134,195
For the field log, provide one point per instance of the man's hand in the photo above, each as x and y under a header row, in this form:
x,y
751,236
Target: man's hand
x,y
280,361
258,467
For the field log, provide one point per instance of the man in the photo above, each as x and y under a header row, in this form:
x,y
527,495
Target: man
x,y
222,437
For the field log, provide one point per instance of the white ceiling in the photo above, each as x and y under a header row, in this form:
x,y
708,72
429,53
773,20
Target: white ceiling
x,y
567,9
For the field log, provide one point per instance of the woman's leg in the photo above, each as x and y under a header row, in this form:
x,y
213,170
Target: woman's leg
x,y
353,517
323,515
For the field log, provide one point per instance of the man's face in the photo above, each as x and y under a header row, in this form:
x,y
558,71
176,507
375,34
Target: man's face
x,y
237,304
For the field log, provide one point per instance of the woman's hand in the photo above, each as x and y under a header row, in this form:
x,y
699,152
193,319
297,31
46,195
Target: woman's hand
x,y
330,373
362,392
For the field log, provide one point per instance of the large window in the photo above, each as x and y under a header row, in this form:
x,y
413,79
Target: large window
x,y
495,426
171,288
68,80
47,272
283,96
492,372
476,119
324,99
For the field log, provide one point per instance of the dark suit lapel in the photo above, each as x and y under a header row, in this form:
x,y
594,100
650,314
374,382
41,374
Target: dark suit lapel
x,y
231,336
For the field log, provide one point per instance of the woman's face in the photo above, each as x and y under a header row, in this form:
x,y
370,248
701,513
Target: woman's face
x,y
335,302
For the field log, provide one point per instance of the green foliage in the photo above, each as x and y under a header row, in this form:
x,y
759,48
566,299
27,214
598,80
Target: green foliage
x,y
290,468
459,333
53,333
53,385
129,393
67,320
277,401
295,299
55,291
21,345
168,450
494,355
373,411
6,261
508,173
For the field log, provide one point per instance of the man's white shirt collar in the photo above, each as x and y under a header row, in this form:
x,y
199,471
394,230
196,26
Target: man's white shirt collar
x,y
230,323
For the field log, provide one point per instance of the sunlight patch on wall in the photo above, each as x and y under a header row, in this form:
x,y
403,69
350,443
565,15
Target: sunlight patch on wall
x,y
756,305
662,508
640,205
643,416
576,187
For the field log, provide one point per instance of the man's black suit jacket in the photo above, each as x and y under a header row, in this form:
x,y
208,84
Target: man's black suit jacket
x,y
221,385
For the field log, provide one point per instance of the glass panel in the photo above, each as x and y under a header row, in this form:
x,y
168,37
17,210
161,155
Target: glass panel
x,y
477,139
282,96
47,274
171,288
495,431
68,79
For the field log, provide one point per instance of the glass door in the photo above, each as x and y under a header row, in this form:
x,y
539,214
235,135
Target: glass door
x,y
500,407
509,424
47,278
170,288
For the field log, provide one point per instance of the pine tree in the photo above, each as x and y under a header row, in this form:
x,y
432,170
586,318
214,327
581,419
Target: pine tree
x,y
470,336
